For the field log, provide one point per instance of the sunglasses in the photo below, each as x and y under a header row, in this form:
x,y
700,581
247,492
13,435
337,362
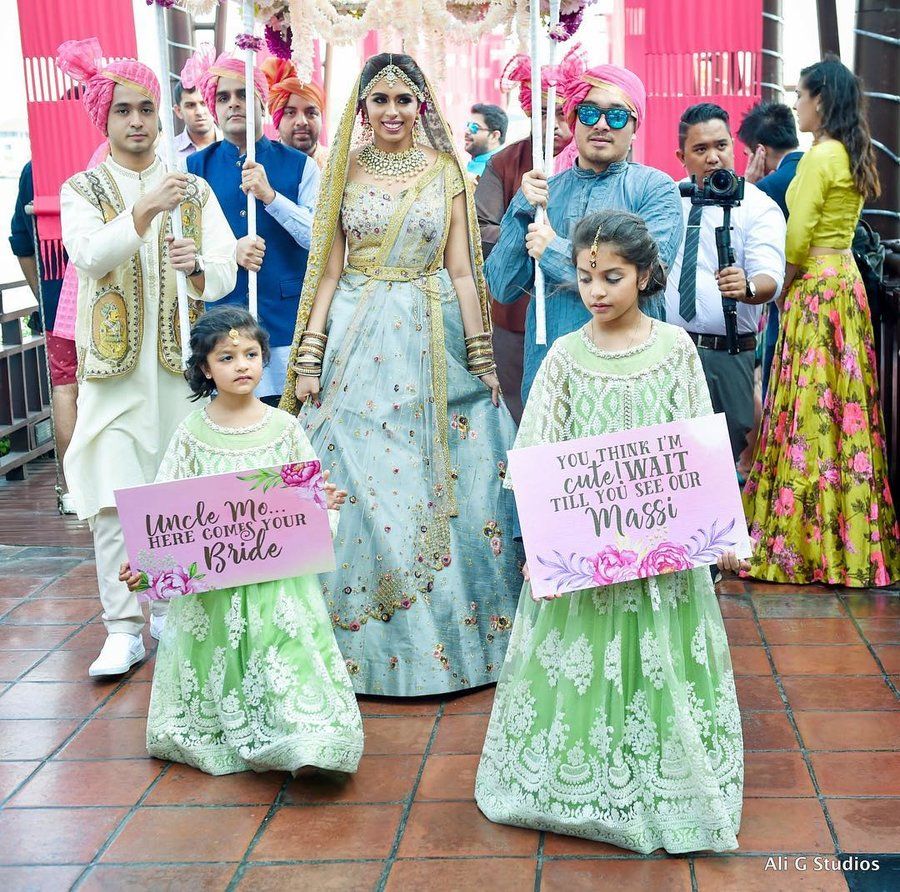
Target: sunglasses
x,y
473,128
616,118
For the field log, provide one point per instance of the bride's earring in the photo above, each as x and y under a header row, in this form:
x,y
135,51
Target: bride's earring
x,y
366,128
419,132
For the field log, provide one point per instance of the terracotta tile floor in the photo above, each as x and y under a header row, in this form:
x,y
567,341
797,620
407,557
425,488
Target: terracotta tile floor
x,y
82,806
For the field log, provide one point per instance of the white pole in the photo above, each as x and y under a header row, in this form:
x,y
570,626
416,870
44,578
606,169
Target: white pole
x,y
172,163
549,133
249,59
537,160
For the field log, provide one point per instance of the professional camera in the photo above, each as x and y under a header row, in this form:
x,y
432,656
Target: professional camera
x,y
722,188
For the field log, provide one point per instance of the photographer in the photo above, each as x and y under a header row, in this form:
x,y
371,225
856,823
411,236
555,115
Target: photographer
x,y
696,286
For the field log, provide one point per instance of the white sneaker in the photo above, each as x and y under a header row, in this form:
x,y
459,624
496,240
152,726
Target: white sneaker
x,y
120,652
157,624
67,504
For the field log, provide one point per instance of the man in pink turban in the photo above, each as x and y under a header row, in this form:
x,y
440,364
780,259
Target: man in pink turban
x,y
498,184
81,61
604,105
190,106
297,109
116,229
284,182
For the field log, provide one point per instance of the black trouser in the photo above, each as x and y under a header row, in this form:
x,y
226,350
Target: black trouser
x,y
730,380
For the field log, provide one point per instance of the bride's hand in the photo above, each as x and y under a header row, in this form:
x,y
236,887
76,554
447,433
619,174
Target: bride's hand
x,y
307,387
492,383
334,497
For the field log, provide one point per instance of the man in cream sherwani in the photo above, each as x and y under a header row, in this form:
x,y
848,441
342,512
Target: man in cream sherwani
x,y
116,223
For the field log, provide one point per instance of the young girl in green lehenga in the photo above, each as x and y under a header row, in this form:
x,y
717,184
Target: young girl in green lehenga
x,y
615,717
250,677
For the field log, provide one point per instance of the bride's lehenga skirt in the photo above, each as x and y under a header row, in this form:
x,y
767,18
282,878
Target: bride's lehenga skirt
x,y
424,593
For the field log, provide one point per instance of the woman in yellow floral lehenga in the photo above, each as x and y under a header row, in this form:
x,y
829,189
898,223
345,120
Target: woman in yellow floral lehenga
x,y
817,499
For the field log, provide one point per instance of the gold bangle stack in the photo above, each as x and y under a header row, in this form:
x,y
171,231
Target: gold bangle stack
x,y
480,354
310,353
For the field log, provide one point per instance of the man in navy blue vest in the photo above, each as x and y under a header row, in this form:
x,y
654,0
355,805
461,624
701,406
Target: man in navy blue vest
x,y
769,132
285,183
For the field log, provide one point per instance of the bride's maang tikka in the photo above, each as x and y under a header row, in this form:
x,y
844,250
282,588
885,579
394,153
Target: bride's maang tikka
x,y
391,74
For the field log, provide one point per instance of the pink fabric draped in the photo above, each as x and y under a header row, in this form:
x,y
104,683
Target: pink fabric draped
x,y
714,54
61,135
64,327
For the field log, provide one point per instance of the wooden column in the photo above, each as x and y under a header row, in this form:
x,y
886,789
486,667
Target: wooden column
x,y
829,38
877,58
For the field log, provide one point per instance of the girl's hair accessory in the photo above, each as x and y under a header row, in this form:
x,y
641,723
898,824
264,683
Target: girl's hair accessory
x,y
235,336
594,245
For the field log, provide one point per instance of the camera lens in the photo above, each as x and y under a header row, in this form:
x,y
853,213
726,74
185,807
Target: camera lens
x,y
722,182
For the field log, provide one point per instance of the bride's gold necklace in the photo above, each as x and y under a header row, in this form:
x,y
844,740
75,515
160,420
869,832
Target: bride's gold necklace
x,y
382,165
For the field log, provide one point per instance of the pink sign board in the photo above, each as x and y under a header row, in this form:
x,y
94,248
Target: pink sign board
x,y
225,530
638,503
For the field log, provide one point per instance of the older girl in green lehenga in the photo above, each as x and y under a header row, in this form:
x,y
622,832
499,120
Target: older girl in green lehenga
x,y
394,328
615,717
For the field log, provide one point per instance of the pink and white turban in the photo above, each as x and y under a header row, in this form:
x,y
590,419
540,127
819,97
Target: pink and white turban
x,y
82,60
197,65
227,66
611,77
518,71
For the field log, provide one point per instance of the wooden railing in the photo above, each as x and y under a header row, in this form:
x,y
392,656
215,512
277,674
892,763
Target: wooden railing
x,y
25,424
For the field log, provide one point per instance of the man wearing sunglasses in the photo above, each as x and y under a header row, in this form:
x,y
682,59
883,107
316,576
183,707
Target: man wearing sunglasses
x,y
484,135
496,188
605,106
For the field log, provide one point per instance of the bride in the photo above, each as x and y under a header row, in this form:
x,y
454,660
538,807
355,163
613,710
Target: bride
x,y
392,371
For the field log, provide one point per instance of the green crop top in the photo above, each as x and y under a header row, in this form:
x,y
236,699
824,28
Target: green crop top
x,y
823,202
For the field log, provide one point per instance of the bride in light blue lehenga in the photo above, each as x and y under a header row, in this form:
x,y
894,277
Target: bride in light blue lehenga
x,y
427,575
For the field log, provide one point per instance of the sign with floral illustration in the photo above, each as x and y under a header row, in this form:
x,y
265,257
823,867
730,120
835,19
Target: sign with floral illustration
x,y
224,530
630,505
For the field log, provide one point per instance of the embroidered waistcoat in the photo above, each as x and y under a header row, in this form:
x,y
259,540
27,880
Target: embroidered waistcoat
x,y
110,323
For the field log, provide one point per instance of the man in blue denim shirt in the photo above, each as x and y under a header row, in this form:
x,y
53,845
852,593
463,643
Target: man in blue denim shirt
x,y
606,105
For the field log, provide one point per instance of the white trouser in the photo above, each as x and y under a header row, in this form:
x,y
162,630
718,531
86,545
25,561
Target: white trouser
x,y
121,610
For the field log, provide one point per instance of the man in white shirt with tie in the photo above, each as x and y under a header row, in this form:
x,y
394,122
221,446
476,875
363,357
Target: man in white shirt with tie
x,y
696,286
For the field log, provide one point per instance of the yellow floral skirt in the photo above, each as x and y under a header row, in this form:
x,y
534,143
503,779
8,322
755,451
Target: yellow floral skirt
x,y
817,499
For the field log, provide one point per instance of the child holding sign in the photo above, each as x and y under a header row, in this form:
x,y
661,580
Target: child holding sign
x,y
249,678
615,717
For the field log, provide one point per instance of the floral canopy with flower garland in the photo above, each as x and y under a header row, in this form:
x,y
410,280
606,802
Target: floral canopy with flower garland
x,y
428,25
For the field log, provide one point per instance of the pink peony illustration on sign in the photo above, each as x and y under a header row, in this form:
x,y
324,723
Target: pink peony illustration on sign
x,y
163,585
631,505
208,533
305,478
